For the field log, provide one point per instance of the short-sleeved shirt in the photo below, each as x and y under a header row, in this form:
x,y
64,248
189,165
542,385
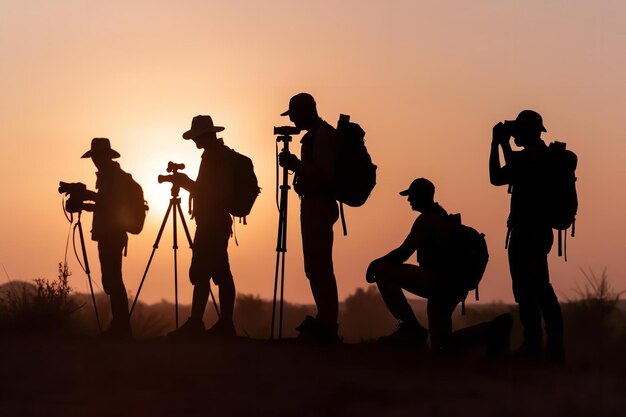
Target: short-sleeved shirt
x,y
106,224
317,157
430,236
212,189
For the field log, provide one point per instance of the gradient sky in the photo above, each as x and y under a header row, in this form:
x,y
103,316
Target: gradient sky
x,y
426,79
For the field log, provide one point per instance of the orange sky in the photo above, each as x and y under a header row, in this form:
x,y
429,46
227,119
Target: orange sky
x,y
426,79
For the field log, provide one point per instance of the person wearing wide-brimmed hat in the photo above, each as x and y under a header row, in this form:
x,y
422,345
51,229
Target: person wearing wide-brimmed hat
x,y
210,192
108,231
315,172
531,238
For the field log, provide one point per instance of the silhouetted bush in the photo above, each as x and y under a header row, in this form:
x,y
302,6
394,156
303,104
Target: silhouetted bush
x,y
42,308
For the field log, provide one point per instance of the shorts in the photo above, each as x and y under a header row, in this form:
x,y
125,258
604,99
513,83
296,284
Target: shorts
x,y
210,256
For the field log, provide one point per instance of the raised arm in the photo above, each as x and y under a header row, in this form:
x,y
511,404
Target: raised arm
x,y
498,174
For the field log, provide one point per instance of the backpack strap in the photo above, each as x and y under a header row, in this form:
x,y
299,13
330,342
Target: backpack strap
x,y
343,219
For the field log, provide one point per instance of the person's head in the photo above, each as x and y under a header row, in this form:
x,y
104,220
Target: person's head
x,y
203,132
101,153
527,127
302,110
421,194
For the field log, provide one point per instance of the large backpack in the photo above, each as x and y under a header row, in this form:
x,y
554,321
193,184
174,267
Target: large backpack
x,y
244,186
561,196
133,207
468,255
355,174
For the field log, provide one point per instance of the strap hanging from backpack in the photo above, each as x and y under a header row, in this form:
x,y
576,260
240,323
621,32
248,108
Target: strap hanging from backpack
x,y
343,219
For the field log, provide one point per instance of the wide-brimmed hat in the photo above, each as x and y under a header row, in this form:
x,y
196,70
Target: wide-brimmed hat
x,y
199,125
530,119
301,102
101,146
421,187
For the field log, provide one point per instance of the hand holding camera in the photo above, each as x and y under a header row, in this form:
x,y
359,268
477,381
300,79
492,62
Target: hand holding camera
x,y
289,161
77,192
502,132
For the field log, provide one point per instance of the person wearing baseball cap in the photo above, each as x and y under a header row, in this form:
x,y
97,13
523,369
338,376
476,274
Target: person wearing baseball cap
x,y
209,260
530,235
434,279
315,172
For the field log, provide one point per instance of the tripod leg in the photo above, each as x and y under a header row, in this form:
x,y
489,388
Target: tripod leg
x,y
175,247
279,253
87,270
282,272
154,248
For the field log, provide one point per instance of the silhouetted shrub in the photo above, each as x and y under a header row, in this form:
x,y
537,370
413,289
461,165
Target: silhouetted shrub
x,y
42,308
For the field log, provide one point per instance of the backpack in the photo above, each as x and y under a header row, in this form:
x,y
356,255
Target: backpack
x,y
468,254
244,187
355,174
561,196
133,207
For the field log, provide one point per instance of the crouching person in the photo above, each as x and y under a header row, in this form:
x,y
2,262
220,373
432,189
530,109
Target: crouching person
x,y
430,238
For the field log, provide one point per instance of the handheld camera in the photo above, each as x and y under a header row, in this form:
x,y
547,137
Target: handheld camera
x,y
77,195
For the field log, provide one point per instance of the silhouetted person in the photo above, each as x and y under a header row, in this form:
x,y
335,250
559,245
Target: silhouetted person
x,y
531,236
430,238
315,172
210,192
109,232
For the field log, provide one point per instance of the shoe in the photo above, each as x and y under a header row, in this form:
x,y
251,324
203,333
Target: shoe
x,y
499,336
223,328
555,351
407,334
313,331
192,329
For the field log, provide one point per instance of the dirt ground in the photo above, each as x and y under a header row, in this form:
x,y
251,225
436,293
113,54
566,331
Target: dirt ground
x,y
246,377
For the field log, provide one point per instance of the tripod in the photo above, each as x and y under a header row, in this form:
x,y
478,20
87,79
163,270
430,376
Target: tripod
x,y
281,241
174,208
79,225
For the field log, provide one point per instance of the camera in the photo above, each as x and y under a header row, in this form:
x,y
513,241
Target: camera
x,y
286,130
77,195
172,167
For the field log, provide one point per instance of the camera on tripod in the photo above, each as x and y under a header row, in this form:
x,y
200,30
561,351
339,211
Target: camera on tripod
x,y
77,192
286,130
172,167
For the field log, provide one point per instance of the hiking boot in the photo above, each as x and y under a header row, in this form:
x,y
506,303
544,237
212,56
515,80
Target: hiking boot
x,y
313,331
192,329
223,328
554,348
407,334
499,336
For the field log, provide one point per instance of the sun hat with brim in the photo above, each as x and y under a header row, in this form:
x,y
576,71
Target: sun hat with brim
x,y
200,125
101,146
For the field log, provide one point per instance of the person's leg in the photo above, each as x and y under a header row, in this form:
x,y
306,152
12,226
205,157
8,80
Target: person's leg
x,y
110,255
392,278
440,311
522,256
317,218
547,300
